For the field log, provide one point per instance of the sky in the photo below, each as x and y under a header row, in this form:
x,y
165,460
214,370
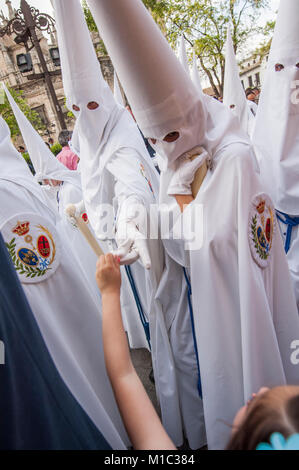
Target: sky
x,y
274,5
268,14
44,6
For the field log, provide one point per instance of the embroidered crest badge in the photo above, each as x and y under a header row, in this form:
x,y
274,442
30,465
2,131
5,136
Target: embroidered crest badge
x,y
85,217
33,245
262,224
73,222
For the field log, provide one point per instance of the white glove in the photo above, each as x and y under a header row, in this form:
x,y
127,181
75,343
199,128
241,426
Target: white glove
x,y
185,170
80,209
131,242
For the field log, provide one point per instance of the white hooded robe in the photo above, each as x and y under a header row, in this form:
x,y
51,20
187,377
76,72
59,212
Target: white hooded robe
x,y
244,308
108,137
276,137
62,304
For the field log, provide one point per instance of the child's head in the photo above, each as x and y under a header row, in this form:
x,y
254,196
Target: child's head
x,y
275,410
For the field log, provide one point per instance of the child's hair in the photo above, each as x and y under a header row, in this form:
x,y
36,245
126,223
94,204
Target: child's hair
x,y
276,410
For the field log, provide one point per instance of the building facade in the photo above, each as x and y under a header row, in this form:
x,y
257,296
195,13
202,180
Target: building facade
x,y
252,71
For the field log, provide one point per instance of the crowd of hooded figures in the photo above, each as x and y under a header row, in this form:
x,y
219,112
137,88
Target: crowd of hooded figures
x,y
82,276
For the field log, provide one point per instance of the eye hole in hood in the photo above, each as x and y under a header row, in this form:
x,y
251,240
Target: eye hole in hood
x,y
92,105
172,137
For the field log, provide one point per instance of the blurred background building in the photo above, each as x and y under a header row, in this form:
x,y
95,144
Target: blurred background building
x,y
35,91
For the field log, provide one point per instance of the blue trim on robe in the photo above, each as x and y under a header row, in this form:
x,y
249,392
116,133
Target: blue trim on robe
x,y
37,410
199,387
144,322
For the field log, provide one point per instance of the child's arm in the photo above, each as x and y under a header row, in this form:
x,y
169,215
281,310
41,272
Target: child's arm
x,y
139,416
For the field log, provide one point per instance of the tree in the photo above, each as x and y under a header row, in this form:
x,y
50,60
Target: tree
x,y
204,24
264,47
88,17
158,10
8,115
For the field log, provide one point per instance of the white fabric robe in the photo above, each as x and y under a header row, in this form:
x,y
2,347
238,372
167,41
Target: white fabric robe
x,y
70,322
102,134
163,293
47,167
252,111
246,316
276,137
70,194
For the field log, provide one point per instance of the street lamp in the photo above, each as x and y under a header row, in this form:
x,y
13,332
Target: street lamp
x,y
24,25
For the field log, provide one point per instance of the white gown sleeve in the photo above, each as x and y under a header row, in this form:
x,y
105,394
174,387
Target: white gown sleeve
x,y
123,163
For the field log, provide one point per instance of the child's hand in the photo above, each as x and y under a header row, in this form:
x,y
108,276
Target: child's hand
x,y
108,274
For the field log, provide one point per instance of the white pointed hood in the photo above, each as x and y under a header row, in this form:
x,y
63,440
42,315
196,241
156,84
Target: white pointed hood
x,y
276,136
182,54
195,74
158,89
82,76
117,91
45,163
13,167
233,94
160,92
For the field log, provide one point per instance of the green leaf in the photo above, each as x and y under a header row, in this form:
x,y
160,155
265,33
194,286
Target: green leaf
x,y
8,115
204,25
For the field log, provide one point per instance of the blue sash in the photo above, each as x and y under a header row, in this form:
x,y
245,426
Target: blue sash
x,y
37,410
199,387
